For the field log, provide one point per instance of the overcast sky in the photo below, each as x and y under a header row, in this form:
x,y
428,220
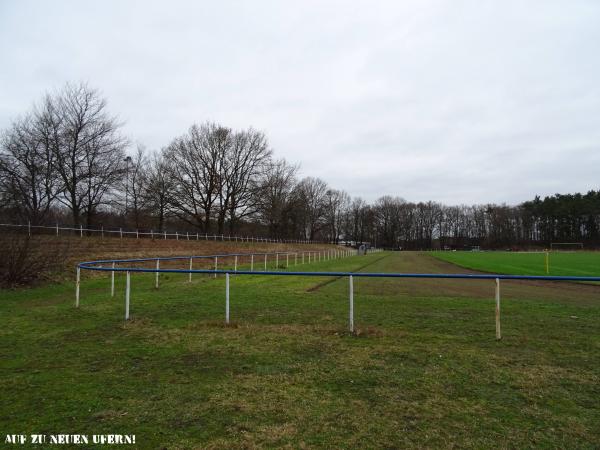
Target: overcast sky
x,y
454,101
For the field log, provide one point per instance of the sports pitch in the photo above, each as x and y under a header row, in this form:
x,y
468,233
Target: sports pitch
x,y
576,263
423,370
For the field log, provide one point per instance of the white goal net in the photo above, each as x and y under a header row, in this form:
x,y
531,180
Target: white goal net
x,y
566,246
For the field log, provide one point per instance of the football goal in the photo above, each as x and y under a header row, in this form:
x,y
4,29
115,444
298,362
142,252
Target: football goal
x,y
566,246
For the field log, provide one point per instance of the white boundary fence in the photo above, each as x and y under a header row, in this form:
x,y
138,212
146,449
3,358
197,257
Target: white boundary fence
x,y
151,234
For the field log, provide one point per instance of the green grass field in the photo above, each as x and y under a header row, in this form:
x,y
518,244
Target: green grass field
x,y
520,263
423,370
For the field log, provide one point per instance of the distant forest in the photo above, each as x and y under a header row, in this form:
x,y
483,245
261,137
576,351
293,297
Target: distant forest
x,y
65,161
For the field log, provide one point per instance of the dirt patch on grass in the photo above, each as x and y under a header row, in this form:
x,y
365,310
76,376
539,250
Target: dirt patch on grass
x,y
333,279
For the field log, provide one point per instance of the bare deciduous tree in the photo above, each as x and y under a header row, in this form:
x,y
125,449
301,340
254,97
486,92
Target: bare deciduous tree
x,y
158,188
87,146
310,197
336,204
197,159
245,160
28,179
134,186
274,195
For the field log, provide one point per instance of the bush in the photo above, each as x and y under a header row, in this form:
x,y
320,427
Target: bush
x,y
24,260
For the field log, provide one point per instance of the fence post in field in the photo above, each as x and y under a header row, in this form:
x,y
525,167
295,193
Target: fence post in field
x,y
127,291
165,235
102,231
227,298
302,257
351,312
157,273
112,281
121,232
77,282
498,333
177,235
287,260
80,230
137,233
152,234
235,264
216,264
190,274
295,259
252,262
265,262
57,229
276,261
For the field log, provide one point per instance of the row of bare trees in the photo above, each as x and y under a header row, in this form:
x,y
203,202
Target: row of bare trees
x,y
67,151
67,156
66,160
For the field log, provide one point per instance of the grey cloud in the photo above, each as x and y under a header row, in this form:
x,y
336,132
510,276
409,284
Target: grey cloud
x,y
454,101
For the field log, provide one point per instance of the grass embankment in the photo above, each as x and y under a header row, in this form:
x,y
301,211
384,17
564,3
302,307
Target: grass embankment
x,y
520,263
424,370
62,253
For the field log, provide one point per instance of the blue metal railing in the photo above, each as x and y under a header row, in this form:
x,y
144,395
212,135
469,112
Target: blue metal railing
x,y
100,265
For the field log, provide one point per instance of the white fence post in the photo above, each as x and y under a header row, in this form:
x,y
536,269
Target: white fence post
x,y
235,264
227,298
80,230
127,290
57,229
498,333
216,264
77,282
287,260
157,273
276,261
265,262
252,263
112,281
351,314
302,257
295,259
102,231
190,274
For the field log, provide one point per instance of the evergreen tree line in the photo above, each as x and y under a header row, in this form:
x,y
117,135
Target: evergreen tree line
x,y
65,161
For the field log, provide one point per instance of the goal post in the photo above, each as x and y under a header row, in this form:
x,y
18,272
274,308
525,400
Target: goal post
x,y
566,246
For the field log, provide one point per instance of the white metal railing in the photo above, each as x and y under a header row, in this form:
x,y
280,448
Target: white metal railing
x,y
121,233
